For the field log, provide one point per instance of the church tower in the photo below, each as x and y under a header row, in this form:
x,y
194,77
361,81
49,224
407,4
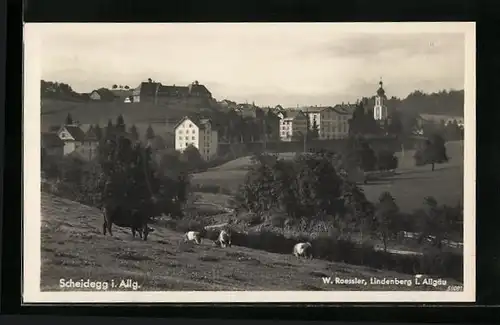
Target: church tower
x,y
380,109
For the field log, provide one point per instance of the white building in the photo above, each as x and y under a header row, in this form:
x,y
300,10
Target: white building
x,y
292,123
334,123
380,109
77,141
196,132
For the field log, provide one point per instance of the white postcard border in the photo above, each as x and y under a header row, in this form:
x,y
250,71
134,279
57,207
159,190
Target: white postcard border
x,y
32,188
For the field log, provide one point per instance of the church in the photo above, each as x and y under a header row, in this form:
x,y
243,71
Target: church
x,y
380,113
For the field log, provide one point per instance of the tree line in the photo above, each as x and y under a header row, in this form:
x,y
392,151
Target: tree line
x,y
316,186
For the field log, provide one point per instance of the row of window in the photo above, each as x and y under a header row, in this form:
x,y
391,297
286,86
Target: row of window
x,y
187,131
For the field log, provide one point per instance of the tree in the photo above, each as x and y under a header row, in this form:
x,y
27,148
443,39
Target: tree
x,y
115,86
191,155
386,160
98,131
120,124
314,132
133,132
69,119
110,129
150,133
433,152
386,216
150,80
127,87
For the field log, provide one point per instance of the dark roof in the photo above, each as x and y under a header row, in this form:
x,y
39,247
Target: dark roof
x,y
149,89
293,114
75,132
91,135
105,94
50,140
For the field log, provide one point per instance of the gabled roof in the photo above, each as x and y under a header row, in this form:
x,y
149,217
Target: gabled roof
x,y
313,109
51,140
121,93
293,114
339,109
75,132
200,123
105,94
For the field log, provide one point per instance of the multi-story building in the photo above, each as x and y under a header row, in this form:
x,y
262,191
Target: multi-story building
x,y
334,123
155,92
292,123
198,133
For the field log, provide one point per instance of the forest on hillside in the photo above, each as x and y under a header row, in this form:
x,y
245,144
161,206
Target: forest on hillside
x,y
444,102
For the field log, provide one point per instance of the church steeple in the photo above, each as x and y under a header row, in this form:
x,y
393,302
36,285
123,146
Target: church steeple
x,y
380,110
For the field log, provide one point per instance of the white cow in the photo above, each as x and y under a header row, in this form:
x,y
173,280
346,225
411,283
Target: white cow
x,y
191,236
303,250
224,238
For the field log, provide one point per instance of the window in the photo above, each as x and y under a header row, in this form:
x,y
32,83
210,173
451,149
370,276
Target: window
x,y
180,138
190,125
187,138
180,131
192,138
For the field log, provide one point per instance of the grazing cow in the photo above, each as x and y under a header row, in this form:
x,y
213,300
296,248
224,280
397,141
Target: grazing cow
x,y
224,238
303,250
125,218
191,236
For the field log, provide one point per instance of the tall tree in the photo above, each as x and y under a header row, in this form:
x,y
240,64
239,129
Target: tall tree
x,y
433,152
133,132
115,86
120,124
386,217
150,133
69,119
314,132
98,131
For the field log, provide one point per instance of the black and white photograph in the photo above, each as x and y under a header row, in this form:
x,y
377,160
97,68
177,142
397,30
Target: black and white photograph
x,y
249,162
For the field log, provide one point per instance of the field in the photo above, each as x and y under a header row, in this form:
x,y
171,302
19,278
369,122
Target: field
x,y
409,186
73,247
54,112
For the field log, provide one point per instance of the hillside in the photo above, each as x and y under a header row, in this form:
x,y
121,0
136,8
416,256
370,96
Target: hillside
x,y
409,186
54,112
73,247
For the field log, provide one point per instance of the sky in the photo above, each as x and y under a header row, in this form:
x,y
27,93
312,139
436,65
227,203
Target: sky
x,y
269,64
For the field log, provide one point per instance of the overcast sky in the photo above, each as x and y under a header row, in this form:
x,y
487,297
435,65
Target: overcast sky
x,y
287,64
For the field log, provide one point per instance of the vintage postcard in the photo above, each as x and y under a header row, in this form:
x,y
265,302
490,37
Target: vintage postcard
x,y
249,162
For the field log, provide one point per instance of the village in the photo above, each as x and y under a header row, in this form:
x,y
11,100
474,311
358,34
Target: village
x,y
210,134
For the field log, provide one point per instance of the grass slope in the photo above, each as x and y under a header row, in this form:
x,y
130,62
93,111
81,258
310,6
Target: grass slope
x,y
73,247
409,187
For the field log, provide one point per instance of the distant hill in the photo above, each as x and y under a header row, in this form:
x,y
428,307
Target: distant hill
x,y
440,103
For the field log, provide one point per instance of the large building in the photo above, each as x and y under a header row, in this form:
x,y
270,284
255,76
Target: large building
x,y
334,122
380,112
154,92
198,133
292,123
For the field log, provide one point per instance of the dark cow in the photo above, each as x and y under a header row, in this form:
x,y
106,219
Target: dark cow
x,y
125,218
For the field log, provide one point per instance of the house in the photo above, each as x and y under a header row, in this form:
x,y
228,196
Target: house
x,y
52,145
123,95
157,93
77,141
292,123
334,123
314,116
197,132
102,94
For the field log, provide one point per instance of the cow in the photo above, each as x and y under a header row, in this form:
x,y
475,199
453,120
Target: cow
x,y
224,239
192,236
303,250
134,219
